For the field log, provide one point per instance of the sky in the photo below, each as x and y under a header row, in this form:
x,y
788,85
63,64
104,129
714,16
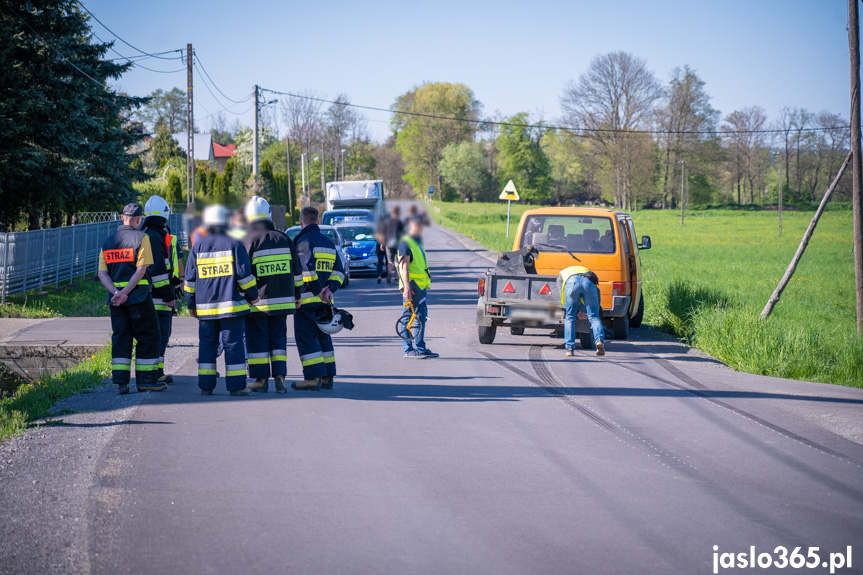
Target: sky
x,y
515,56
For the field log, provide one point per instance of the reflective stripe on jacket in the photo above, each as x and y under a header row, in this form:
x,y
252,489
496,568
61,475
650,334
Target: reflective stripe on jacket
x,y
418,268
567,273
219,280
276,268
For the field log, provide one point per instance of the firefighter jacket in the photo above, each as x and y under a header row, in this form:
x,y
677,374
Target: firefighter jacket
x,y
276,268
121,255
219,280
162,269
320,263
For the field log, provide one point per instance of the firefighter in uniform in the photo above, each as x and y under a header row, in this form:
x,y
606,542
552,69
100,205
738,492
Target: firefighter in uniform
x,y
323,274
123,263
164,271
220,286
279,280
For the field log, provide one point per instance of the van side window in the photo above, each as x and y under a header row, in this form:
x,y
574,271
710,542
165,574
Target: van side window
x,y
624,237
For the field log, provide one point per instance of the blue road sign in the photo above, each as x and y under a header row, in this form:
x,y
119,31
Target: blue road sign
x,y
431,190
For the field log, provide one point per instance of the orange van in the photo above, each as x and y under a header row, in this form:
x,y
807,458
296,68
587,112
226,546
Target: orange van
x,y
601,240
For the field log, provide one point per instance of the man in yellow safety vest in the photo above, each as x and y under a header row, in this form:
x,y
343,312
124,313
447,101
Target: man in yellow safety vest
x,y
413,267
579,293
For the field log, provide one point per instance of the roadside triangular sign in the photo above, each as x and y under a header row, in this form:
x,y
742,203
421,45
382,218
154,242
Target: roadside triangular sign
x,y
509,192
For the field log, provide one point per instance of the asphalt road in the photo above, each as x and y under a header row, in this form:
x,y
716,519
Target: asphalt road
x,y
498,459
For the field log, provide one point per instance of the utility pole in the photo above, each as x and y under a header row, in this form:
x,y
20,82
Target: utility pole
x,y
856,161
323,175
190,133
780,198
682,180
303,169
255,132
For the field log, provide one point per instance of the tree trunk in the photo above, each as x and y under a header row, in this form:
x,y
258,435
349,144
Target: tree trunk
x,y
665,179
857,161
33,220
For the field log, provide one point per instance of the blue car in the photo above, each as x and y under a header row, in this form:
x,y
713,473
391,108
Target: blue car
x,y
360,241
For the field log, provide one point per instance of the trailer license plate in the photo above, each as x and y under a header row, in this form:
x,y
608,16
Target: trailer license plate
x,y
528,313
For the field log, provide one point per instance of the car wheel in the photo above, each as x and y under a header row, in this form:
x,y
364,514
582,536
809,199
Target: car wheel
x,y
516,331
620,327
635,321
486,334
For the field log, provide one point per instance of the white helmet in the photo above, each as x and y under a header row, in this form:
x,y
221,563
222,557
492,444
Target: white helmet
x,y
157,206
258,209
333,325
216,215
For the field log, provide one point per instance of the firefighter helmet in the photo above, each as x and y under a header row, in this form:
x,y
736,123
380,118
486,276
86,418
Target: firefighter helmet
x,y
157,206
216,216
258,209
329,320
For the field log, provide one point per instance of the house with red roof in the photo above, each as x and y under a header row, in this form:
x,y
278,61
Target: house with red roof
x,y
221,155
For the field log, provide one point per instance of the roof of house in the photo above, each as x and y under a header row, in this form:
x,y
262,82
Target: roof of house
x,y
226,151
203,145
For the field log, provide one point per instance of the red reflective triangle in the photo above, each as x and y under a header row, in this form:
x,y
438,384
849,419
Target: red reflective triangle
x,y
545,290
508,288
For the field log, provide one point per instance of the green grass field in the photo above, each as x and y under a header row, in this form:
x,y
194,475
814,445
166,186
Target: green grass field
x,y
84,298
708,281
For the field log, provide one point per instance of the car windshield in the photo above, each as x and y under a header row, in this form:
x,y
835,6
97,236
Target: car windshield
x,y
581,234
329,232
357,233
330,219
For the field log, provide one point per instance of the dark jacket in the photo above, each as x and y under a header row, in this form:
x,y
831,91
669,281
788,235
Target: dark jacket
x,y
276,269
320,263
219,280
120,256
160,271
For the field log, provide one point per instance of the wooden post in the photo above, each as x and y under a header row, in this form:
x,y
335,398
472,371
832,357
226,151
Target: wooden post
x,y
857,164
792,267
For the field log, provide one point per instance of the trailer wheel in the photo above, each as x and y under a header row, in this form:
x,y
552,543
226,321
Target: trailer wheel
x,y
586,340
486,334
516,331
635,321
620,327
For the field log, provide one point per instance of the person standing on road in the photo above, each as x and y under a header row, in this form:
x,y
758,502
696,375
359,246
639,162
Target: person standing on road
x,y
579,293
220,287
279,279
162,271
123,263
323,273
413,268
393,233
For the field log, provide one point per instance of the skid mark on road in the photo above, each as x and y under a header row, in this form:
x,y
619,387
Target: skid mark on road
x,y
550,383
699,390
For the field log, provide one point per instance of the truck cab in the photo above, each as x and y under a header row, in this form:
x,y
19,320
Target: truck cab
x,y
601,240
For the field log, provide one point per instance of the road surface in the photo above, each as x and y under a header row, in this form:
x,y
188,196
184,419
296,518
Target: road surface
x,y
498,459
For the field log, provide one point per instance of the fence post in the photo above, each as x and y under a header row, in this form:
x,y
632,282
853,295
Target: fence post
x,y
26,265
5,268
59,242
42,260
72,259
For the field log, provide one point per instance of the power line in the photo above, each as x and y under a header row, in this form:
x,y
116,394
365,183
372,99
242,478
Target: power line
x,y
579,131
224,107
93,16
135,63
204,70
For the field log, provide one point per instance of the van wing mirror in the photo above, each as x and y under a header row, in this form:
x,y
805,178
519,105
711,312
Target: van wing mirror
x,y
645,243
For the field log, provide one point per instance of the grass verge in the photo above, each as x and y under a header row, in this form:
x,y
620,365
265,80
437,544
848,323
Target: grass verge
x,y
83,298
707,281
33,401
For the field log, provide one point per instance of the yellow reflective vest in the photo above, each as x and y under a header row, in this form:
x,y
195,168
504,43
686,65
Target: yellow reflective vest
x,y
564,276
418,269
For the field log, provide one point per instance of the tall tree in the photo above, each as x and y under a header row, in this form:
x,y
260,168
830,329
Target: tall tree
x,y
165,108
612,99
302,116
685,111
391,169
64,132
463,167
449,115
743,132
522,159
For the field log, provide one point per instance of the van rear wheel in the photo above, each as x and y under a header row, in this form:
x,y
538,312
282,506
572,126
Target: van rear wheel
x,y
516,331
620,327
635,321
486,334
586,340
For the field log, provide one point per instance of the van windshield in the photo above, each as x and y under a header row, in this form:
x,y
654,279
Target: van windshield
x,y
582,234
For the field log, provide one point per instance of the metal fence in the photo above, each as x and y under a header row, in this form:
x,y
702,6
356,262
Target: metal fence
x,y
93,217
38,259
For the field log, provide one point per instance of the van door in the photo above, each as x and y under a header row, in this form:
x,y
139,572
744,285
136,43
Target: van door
x,y
635,266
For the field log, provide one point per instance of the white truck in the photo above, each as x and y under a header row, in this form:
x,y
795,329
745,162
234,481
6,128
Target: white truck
x,y
364,194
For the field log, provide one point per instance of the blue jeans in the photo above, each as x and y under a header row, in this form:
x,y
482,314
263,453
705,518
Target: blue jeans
x,y
418,343
576,290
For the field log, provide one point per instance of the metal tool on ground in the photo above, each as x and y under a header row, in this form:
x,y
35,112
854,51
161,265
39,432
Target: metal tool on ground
x,y
407,325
